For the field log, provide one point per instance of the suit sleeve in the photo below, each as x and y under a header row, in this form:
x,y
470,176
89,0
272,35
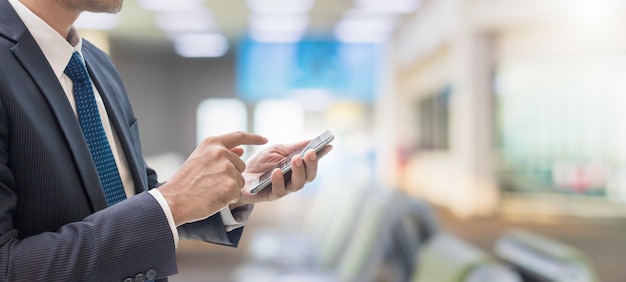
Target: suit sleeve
x,y
209,230
95,249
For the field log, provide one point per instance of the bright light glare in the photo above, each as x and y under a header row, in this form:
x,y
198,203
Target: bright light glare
x,y
219,116
281,121
276,36
357,28
284,28
203,45
98,21
169,5
595,13
388,6
279,22
280,6
192,21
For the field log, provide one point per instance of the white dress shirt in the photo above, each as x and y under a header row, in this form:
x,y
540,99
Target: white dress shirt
x,y
58,51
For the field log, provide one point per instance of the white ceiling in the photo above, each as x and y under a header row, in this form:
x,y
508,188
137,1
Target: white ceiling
x,y
231,17
205,29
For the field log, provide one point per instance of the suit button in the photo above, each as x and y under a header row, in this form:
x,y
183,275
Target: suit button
x,y
128,280
151,274
140,277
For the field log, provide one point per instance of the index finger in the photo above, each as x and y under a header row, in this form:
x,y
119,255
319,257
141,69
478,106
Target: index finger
x,y
234,139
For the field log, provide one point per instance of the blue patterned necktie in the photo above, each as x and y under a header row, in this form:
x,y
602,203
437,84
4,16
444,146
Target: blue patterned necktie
x,y
91,124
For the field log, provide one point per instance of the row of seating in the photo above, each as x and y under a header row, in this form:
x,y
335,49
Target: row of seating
x,y
356,234
538,258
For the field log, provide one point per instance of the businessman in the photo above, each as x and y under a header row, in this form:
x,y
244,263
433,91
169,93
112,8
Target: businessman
x,y
77,201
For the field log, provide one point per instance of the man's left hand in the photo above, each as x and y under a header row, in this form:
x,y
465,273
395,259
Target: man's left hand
x,y
303,170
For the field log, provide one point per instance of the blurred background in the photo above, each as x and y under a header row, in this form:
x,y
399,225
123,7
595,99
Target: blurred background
x,y
502,120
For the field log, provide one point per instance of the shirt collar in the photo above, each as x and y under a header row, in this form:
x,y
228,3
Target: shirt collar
x,y
56,49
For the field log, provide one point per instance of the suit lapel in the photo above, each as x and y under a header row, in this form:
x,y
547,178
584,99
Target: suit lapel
x,y
11,26
30,56
117,115
34,62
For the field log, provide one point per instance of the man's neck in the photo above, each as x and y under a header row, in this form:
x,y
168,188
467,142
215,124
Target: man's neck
x,y
58,17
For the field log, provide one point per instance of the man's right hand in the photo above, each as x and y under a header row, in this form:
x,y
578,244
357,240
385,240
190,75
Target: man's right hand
x,y
210,179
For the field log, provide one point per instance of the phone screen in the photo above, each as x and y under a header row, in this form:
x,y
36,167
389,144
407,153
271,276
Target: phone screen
x,y
265,179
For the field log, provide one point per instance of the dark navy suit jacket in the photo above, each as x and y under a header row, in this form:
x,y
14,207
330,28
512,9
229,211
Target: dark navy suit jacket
x,y
54,221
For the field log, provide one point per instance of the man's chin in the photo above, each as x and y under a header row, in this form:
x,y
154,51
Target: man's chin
x,y
109,9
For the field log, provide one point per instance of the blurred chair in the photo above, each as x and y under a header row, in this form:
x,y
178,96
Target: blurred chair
x,y
417,224
383,236
539,258
447,258
325,232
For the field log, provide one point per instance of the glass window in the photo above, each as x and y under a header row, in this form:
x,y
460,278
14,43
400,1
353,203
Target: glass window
x,y
560,125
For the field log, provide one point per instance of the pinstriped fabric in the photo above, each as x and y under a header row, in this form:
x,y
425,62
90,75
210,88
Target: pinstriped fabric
x,y
120,241
46,230
99,248
91,124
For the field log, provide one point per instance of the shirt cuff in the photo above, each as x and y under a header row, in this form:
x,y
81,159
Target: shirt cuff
x,y
168,213
235,218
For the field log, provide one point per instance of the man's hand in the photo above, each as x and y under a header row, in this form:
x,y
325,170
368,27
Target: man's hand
x,y
210,179
303,170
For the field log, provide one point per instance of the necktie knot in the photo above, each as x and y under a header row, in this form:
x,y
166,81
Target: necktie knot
x,y
76,69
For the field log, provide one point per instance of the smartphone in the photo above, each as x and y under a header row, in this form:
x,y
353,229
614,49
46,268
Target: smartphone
x,y
265,179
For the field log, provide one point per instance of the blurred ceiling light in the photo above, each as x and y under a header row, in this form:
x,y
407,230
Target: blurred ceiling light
x,y
276,36
278,28
171,5
97,21
358,27
280,6
191,21
388,6
347,35
279,22
201,45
